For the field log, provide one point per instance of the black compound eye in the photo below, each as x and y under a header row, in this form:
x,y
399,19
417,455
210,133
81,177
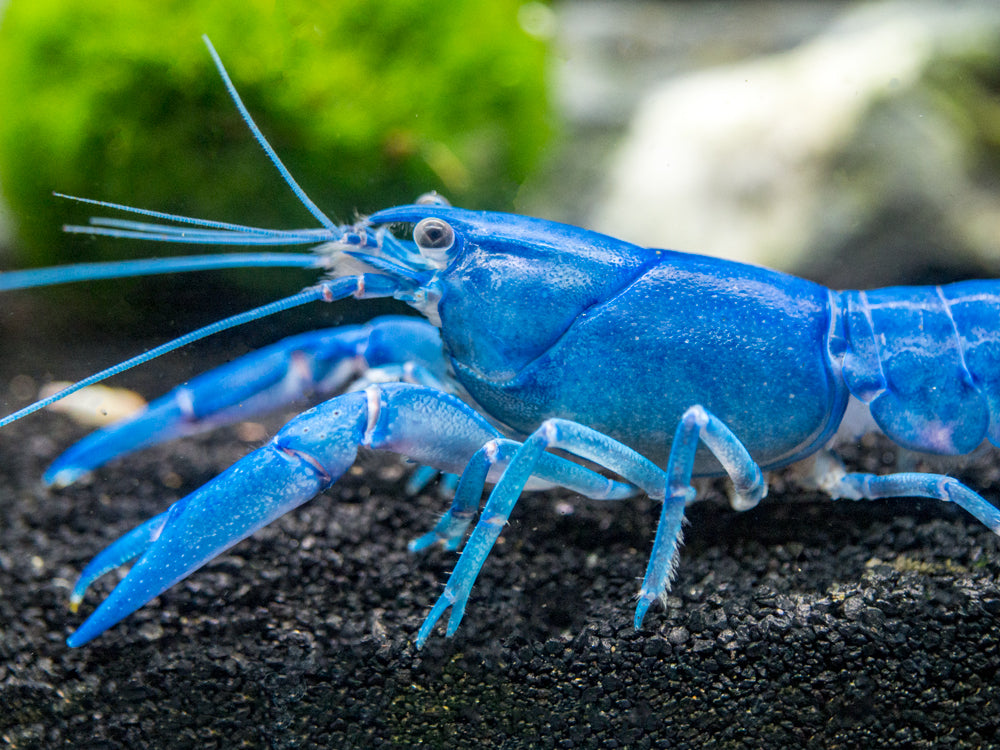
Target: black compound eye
x,y
434,238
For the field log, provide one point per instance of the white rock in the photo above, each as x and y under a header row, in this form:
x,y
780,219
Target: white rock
x,y
753,161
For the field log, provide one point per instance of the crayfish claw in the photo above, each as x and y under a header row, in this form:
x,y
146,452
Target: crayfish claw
x,y
116,554
430,621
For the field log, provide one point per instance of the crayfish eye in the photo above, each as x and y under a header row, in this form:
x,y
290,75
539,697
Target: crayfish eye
x,y
434,238
433,198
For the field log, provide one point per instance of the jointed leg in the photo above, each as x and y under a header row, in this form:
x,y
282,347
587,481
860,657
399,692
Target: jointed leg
x,y
495,456
696,425
831,477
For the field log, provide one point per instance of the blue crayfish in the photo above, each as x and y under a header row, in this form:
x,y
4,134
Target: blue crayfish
x,y
539,336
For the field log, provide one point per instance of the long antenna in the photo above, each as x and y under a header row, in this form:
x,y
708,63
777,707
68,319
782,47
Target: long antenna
x,y
285,174
204,231
327,291
169,217
119,269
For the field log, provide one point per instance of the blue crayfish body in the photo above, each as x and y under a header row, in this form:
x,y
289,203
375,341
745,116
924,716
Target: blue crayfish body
x,y
597,306
651,364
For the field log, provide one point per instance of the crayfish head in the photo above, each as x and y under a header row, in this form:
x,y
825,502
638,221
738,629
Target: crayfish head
x,y
505,288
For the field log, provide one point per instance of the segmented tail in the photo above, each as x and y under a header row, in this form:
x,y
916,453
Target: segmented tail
x,y
926,360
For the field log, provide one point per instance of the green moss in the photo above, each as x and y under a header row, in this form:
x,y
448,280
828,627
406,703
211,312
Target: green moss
x,y
369,104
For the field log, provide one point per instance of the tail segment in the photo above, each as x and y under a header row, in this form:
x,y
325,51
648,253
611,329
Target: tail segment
x,y
926,360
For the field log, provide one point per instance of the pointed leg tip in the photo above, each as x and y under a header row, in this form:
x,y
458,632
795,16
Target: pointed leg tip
x,y
640,611
421,543
60,478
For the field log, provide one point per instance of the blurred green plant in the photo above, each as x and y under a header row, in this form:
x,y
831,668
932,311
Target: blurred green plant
x,y
368,103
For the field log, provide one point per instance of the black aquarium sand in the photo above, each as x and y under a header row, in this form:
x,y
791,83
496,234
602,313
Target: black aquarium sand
x,y
802,623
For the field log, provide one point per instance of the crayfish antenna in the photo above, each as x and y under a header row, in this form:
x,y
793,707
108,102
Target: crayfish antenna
x,y
213,232
35,277
304,199
325,291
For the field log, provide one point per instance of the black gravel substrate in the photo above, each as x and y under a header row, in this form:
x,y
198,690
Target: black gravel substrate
x,y
802,623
